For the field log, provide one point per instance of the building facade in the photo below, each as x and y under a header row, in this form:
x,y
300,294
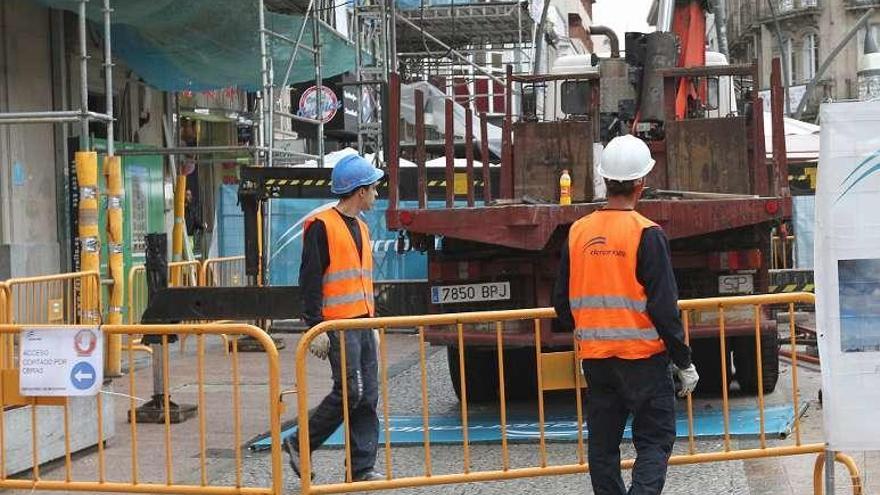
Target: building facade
x,y
807,30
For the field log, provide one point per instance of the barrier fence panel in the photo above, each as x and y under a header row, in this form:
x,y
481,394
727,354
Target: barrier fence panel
x,y
124,473
65,299
782,252
137,293
223,272
556,371
184,273
7,344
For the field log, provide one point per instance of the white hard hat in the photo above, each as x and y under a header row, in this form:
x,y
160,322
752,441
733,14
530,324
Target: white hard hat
x,y
626,158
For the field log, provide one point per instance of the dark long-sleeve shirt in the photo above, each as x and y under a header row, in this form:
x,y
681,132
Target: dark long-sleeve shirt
x,y
654,272
315,260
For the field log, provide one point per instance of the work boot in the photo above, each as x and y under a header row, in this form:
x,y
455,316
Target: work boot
x,y
369,475
293,454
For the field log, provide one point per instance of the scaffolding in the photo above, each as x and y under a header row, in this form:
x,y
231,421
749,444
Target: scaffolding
x,y
463,48
82,116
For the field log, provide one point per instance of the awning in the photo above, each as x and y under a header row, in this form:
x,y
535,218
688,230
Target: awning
x,y
801,139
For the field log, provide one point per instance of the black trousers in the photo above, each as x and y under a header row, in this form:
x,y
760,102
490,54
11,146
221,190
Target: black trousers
x,y
363,397
617,388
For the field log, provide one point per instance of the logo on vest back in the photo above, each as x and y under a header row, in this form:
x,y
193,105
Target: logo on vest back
x,y
594,247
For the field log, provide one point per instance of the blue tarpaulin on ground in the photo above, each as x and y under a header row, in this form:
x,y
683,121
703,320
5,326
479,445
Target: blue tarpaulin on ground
x,y
447,429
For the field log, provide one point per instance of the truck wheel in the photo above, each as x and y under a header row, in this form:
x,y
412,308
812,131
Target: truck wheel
x,y
706,356
746,364
520,378
481,374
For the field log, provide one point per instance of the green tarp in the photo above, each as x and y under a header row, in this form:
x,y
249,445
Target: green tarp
x,y
198,45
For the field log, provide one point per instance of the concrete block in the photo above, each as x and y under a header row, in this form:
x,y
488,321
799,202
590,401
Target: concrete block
x,y
83,427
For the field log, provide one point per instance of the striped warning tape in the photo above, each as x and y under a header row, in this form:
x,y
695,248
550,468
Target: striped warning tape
x,y
775,289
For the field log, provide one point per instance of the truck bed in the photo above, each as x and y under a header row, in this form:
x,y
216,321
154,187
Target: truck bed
x,y
530,226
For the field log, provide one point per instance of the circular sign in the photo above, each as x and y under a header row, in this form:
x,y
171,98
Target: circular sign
x,y
84,342
83,375
308,103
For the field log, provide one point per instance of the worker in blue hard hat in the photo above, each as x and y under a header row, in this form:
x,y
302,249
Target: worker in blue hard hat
x,y
336,280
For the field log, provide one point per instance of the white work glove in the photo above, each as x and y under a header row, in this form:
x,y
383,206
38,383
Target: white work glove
x,y
376,338
320,346
688,378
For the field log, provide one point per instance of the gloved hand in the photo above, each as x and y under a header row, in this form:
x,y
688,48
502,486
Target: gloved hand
x,y
688,378
376,338
320,346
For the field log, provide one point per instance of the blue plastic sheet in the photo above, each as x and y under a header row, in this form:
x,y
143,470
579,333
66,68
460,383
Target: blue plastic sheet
x,y
408,430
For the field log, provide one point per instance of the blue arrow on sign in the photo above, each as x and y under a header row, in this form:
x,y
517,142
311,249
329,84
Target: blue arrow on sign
x,y
82,375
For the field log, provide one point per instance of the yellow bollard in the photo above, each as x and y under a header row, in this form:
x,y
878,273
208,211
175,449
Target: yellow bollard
x,y
90,242
179,231
115,193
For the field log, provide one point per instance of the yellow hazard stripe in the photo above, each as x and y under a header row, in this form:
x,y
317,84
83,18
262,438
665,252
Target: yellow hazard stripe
x,y
792,288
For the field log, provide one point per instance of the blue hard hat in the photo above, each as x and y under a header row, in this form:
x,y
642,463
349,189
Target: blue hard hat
x,y
352,172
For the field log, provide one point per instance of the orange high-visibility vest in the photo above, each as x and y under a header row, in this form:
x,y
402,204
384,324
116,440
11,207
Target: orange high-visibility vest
x,y
607,301
348,280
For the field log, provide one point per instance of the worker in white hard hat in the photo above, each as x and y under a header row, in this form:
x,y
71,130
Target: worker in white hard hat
x,y
616,290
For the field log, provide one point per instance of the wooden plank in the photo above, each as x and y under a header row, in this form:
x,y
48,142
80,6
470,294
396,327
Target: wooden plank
x,y
544,150
708,155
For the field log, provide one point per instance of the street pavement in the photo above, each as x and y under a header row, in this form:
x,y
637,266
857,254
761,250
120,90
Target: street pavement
x,y
791,475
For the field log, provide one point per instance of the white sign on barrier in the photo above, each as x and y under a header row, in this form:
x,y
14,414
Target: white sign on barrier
x,y
61,361
847,271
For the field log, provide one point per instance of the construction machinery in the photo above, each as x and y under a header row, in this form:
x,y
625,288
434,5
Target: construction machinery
x,y
713,191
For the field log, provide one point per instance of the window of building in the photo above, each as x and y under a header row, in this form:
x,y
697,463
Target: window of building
x,y
786,5
875,33
810,56
790,59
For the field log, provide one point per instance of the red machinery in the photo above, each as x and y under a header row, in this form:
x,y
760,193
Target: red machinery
x,y
713,192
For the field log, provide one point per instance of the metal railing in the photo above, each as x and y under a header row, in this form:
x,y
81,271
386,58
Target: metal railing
x,y
132,479
781,252
549,377
7,342
65,299
184,273
223,272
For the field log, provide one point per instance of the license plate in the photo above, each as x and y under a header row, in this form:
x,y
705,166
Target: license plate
x,y
741,283
451,294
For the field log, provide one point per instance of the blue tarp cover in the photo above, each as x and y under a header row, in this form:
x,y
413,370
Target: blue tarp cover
x,y
199,45
406,430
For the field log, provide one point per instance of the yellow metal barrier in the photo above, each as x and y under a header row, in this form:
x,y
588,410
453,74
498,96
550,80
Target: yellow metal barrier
x,y
223,272
781,252
130,479
184,273
65,299
137,293
7,343
855,477
556,371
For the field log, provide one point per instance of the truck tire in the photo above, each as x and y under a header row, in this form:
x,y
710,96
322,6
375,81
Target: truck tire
x,y
520,375
746,365
706,356
481,374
